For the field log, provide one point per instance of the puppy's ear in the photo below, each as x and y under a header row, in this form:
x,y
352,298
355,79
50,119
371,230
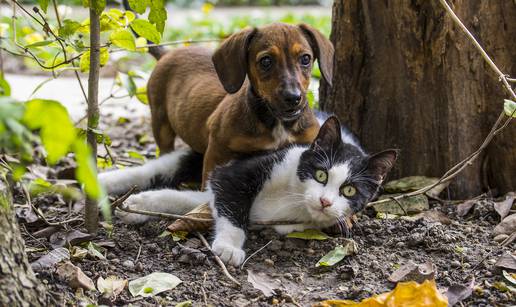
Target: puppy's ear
x,y
381,163
329,134
323,50
230,60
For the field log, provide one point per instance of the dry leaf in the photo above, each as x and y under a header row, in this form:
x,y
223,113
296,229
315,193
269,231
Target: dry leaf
x,y
507,226
202,211
338,253
74,276
504,207
506,261
412,271
464,208
430,216
413,183
263,283
70,237
112,286
405,294
50,259
458,293
309,234
404,206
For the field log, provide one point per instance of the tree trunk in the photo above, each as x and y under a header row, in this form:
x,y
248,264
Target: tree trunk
x,y
91,208
18,284
405,76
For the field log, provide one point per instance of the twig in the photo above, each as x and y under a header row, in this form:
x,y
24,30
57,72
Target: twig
x,y
138,255
122,198
204,296
164,215
221,264
41,215
495,129
256,252
54,2
400,205
509,239
179,42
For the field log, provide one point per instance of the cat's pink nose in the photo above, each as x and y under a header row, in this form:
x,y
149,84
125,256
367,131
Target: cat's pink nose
x,y
325,202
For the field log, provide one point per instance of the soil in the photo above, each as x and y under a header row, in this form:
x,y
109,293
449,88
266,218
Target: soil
x,y
460,250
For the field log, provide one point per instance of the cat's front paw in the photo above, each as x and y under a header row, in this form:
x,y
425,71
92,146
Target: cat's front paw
x,y
229,254
137,202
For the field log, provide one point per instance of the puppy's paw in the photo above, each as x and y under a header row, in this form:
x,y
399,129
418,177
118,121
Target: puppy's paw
x,y
229,254
137,202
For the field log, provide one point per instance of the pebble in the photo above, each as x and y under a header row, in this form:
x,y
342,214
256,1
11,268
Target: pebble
x,y
466,265
128,264
491,261
115,260
455,263
288,276
400,244
500,238
139,267
269,262
310,251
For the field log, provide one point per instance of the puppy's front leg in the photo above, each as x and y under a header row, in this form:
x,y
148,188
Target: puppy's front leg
x,y
212,158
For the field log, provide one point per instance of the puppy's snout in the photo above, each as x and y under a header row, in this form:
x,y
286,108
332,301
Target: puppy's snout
x,y
292,97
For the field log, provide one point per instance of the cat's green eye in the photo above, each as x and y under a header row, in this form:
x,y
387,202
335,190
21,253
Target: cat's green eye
x,y
348,190
321,176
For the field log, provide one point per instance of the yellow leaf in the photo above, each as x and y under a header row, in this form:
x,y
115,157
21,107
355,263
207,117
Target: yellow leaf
x,y
207,8
406,294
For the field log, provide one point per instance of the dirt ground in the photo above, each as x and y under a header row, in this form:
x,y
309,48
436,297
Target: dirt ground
x,y
460,250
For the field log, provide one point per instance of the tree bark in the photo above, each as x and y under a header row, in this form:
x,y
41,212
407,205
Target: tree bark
x,y
91,208
18,284
406,77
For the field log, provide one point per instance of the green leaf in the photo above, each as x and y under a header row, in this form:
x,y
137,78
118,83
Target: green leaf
x,y
43,4
40,44
84,63
69,28
309,234
509,107
123,38
94,250
5,88
158,14
153,284
136,155
338,253
56,129
139,6
86,172
141,94
146,29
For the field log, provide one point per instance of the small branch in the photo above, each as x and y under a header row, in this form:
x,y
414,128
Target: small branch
x,y
221,264
164,215
121,199
54,2
179,42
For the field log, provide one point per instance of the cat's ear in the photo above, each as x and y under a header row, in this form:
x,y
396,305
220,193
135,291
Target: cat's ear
x,y
329,134
381,163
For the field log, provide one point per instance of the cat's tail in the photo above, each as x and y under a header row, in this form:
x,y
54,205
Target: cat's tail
x,y
168,171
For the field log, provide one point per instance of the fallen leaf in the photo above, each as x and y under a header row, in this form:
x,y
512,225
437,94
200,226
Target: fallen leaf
x,y
54,256
78,253
68,238
338,253
309,234
386,216
457,293
94,250
410,205
434,216
464,208
153,284
112,286
507,226
184,304
510,277
415,272
405,294
74,276
413,183
506,261
26,214
202,211
262,282
504,207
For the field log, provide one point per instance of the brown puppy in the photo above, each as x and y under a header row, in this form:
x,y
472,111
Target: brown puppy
x,y
248,96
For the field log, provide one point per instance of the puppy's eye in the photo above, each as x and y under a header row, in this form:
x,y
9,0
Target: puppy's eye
x,y
266,62
348,191
321,176
305,60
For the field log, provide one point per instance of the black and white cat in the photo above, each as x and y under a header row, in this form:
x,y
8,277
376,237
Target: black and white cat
x,y
313,185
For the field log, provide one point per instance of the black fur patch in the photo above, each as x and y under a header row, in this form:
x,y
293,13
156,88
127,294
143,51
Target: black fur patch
x,y
190,171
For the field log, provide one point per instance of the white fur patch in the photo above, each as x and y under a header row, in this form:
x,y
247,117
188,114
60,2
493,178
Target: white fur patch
x,y
228,242
120,181
164,201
